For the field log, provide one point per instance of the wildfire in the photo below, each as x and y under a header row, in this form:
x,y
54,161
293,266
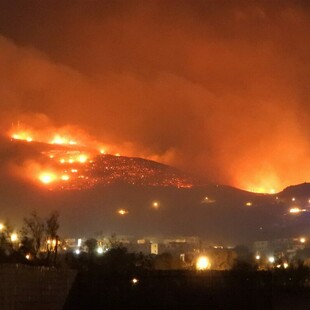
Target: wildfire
x,y
82,158
58,139
22,136
65,177
73,161
47,177
262,190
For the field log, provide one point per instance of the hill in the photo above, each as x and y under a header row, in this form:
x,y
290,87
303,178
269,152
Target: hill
x,y
156,199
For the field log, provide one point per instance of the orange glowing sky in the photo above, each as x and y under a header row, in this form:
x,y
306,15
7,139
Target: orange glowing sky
x,y
216,88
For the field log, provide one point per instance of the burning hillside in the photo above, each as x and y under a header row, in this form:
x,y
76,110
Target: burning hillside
x,y
64,162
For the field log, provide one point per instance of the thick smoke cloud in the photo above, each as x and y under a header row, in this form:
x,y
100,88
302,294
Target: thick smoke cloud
x,y
218,88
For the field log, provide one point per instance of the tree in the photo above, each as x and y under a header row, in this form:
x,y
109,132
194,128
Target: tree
x,y
6,246
114,242
33,231
222,259
52,225
51,229
91,245
166,261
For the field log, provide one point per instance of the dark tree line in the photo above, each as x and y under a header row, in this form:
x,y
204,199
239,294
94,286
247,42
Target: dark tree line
x,y
37,242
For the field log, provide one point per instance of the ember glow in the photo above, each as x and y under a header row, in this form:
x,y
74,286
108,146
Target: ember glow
x,y
22,136
65,165
25,133
65,177
62,140
47,177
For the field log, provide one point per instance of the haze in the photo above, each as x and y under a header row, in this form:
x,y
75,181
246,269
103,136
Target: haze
x,y
217,88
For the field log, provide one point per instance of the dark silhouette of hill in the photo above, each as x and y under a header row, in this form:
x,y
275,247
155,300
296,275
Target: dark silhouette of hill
x,y
299,190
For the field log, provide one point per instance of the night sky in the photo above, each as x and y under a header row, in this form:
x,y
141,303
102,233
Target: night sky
x,y
216,88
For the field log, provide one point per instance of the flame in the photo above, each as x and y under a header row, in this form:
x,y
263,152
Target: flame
x,y
262,190
58,139
65,177
262,182
47,177
22,136
57,167
61,136
66,136
82,158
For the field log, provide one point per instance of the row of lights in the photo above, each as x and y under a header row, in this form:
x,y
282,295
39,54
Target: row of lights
x,y
100,251
271,260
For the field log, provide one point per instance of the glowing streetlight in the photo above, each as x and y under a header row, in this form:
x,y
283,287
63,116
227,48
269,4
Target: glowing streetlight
x,y
155,205
202,263
257,257
302,240
134,281
1,226
100,250
14,237
77,251
296,210
122,212
271,259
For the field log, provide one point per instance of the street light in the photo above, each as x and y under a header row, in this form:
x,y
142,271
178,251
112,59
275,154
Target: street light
x,y
14,237
100,250
155,205
202,263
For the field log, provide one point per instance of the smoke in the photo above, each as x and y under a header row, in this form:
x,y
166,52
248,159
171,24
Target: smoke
x,y
215,88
